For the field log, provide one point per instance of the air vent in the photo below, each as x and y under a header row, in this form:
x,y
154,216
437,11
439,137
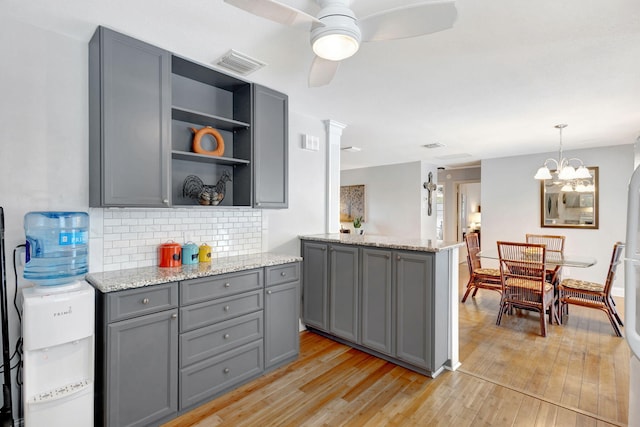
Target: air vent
x,y
433,145
239,63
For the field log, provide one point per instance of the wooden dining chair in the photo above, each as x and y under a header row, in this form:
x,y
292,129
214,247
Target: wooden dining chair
x,y
524,281
594,295
555,248
479,278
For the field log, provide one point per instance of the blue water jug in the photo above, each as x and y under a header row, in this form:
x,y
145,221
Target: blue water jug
x,y
57,247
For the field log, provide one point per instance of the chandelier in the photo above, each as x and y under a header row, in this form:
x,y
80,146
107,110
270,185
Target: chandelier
x,y
572,176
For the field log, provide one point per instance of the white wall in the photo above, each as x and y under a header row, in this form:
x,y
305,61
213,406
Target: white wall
x,y
395,200
511,206
307,182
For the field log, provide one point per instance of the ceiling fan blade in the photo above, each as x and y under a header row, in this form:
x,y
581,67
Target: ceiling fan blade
x,y
408,21
322,71
277,12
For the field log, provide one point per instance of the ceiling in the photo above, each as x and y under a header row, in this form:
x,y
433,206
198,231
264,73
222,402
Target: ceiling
x,y
492,86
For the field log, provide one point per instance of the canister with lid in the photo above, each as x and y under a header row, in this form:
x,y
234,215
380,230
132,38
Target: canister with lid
x,y
169,254
204,254
190,253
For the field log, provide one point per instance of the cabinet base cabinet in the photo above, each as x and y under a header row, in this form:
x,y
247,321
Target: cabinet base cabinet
x,y
203,381
143,360
281,312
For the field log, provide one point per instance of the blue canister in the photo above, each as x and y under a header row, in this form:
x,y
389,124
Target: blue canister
x,y
190,253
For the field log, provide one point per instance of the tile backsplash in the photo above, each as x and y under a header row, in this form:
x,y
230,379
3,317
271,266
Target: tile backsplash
x,y
129,238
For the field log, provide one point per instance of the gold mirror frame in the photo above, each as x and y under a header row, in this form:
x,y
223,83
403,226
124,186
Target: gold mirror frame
x,y
571,209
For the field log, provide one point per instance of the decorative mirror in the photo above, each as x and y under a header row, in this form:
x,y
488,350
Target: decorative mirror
x,y
570,204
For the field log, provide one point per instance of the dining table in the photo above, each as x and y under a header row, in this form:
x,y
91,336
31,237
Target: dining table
x,y
551,259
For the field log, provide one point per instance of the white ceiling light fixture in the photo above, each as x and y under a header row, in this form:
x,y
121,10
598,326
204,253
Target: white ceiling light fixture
x,y
336,32
563,169
339,37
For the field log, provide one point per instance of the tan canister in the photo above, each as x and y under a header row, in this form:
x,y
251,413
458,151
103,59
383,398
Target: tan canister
x,y
204,253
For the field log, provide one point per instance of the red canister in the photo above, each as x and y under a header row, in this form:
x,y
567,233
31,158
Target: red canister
x,y
169,254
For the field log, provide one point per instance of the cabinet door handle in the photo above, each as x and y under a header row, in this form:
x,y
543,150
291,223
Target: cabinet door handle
x,y
226,370
323,249
283,274
268,292
226,308
165,201
226,285
174,316
226,336
387,256
145,301
398,257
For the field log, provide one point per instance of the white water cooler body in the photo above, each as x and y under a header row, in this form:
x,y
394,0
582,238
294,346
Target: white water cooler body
x,y
58,334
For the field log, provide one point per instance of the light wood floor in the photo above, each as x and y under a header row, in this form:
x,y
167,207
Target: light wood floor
x,y
510,376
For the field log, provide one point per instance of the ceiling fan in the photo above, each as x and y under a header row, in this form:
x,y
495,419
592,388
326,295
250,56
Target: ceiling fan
x,y
336,33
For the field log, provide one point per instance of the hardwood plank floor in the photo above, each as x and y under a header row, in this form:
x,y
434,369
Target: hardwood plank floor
x,y
510,376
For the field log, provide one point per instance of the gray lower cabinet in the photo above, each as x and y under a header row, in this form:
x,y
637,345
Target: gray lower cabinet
x,y
343,291
221,334
315,285
137,356
281,314
162,350
270,148
377,300
129,122
382,300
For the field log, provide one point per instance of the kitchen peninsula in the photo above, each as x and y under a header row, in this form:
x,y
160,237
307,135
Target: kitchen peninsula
x,y
395,298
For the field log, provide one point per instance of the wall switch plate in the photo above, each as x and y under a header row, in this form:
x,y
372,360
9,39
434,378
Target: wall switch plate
x,y
310,142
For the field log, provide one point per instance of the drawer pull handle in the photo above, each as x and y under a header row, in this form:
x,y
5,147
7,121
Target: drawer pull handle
x,y
145,301
174,316
226,336
226,285
268,292
398,258
283,274
226,370
226,308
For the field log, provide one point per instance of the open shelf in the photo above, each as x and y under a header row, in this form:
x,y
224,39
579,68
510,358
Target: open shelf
x,y
192,116
204,158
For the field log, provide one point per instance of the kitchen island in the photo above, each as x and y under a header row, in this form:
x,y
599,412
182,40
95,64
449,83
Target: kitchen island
x,y
171,339
396,298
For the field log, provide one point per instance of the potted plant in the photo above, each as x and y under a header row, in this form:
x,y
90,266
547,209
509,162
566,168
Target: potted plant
x,y
357,225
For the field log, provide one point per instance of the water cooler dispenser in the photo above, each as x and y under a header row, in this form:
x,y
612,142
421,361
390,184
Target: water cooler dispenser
x,y
58,322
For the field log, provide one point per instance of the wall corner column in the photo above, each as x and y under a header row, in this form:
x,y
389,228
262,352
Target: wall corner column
x,y
334,133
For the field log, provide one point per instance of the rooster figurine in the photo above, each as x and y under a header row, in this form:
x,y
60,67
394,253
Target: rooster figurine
x,y
194,188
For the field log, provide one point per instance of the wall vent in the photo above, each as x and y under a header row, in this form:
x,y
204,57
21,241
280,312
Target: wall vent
x,y
433,145
239,63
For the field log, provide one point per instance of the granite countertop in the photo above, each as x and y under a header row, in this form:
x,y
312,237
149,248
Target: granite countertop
x,y
391,242
111,281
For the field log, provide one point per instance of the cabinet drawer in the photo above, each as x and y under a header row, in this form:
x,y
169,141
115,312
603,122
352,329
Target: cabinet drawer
x,y
216,339
145,300
212,376
206,288
282,273
210,312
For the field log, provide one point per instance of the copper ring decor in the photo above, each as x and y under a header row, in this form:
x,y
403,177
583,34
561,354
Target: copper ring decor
x,y
197,141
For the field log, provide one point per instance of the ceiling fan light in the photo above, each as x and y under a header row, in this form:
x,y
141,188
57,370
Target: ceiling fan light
x,y
335,47
543,173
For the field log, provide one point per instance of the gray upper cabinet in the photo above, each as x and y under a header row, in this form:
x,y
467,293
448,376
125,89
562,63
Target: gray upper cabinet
x,y
315,285
343,290
145,105
270,148
377,300
129,121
